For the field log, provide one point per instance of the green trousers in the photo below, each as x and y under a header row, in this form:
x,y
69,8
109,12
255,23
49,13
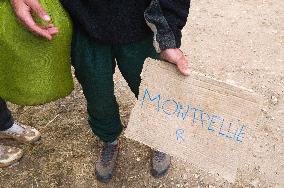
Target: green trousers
x,y
94,68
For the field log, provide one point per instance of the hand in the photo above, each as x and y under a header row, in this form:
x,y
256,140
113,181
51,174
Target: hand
x,y
176,57
23,10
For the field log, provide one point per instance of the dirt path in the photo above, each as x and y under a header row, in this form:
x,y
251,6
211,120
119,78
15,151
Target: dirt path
x,y
240,41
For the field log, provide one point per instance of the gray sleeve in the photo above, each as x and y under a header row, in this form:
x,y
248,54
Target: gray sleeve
x,y
166,18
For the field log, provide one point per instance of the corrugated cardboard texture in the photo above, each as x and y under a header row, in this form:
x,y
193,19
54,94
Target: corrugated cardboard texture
x,y
204,121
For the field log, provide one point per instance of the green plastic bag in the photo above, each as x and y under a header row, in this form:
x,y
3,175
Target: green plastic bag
x,y
34,70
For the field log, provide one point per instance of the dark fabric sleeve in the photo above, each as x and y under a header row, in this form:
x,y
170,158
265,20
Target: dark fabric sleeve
x,y
166,18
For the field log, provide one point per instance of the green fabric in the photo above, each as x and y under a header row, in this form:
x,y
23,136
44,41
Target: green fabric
x,y
94,67
34,70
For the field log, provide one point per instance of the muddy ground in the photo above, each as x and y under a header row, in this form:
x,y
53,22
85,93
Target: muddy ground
x,y
238,41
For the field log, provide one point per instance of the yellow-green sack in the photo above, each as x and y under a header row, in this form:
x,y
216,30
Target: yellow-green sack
x,y
34,70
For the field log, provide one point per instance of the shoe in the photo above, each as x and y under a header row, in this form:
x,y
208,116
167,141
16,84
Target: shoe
x,y
21,133
107,162
9,155
160,163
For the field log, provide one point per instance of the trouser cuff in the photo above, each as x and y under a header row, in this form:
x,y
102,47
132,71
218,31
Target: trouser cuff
x,y
108,130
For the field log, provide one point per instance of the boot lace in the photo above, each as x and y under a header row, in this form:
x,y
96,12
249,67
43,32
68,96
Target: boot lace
x,y
159,156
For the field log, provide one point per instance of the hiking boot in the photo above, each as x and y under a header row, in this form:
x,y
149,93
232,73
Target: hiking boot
x,y
160,163
21,133
107,161
9,155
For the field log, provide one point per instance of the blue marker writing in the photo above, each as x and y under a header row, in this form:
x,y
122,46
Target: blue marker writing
x,y
185,113
146,93
165,110
179,134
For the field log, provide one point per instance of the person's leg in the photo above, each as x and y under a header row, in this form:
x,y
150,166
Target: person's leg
x,y
10,129
14,130
94,67
6,120
8,155
130,60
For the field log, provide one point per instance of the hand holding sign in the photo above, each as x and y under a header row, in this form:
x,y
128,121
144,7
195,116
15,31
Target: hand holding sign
x,y
176,57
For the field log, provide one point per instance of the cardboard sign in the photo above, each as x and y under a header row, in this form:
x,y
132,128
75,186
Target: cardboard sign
x,y
207,122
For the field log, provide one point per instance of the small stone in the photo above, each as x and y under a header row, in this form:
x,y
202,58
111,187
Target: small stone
x,y
264,110
184,176
272,118
274,100
211,186
138,159
178,185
